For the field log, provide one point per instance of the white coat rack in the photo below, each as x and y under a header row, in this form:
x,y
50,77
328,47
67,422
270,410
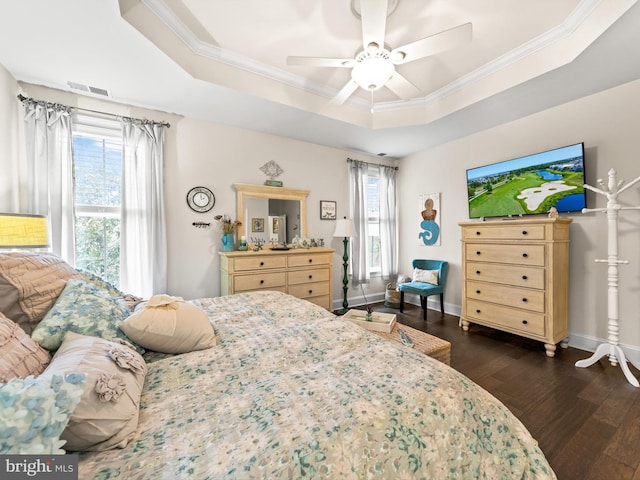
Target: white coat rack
x,y
612,347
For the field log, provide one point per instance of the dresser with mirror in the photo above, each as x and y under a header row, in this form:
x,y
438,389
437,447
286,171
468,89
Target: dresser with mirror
x,y
302,272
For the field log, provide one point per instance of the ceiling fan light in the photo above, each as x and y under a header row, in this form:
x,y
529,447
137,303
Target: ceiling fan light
x,y
372,73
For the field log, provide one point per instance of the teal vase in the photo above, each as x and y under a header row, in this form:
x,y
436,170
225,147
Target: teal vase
x,y
227,242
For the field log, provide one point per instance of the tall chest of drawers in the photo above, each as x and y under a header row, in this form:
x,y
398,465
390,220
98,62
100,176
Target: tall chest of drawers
x,y
515,277
303,273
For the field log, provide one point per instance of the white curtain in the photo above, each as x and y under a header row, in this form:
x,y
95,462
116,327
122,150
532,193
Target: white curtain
x,y
388,222
49,172
143,256
358,212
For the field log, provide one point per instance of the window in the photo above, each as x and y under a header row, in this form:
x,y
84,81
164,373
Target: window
x,y
97,159
373,222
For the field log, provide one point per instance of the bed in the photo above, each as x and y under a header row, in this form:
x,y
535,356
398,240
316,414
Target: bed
x,y
291,391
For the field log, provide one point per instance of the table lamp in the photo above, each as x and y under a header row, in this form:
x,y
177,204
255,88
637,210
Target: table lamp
x,y
345,229
23,231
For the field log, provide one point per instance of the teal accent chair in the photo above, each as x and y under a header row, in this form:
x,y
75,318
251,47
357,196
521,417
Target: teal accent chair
x,y
426,289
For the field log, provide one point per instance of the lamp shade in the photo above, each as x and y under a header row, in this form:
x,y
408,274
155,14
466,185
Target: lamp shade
x,y
23,231
344,228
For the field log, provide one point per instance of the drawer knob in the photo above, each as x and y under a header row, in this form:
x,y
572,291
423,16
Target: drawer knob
x,y
262,264
525,255
478,252
525,300
524,232
261,282
310,260
477,233
524,322
310,292
478,311
477,272
524,277
478,292
310,277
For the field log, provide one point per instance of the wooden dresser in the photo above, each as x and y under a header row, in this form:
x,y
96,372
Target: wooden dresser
x,y
303,273
515,277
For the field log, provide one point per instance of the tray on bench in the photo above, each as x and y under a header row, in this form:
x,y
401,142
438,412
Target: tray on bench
x,y
382,322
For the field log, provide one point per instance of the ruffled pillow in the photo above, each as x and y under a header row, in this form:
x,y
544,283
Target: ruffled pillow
x,y
107,416
168,324
30,284
83,308
34,412
20,356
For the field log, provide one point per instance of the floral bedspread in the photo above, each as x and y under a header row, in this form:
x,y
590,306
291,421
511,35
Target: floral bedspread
x,y
291,391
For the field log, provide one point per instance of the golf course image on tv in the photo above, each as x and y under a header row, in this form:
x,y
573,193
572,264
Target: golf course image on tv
x,y
529,185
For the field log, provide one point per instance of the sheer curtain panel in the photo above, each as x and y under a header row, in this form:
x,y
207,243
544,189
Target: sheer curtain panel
x,y
143,256
358,206
49,172
388,223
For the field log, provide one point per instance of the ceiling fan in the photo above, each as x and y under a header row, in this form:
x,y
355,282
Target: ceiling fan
x,y
374,66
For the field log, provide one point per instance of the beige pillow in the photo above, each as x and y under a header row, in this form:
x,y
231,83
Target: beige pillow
x,y
170,325
19,355
425,276
107,415
30,284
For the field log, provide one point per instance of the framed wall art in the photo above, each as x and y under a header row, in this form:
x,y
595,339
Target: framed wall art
x,y
327,210
257,224
429,218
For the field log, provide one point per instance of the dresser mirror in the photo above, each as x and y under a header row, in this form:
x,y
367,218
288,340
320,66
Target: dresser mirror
x,y
271,214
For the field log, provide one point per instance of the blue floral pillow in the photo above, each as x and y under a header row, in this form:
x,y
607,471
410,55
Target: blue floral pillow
x,y
83,308
35,411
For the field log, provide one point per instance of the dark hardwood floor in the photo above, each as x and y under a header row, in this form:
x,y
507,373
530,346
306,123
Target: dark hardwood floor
x,y
586,420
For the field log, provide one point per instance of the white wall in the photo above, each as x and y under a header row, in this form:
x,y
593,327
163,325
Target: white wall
x,y
609,125
217,156
9,140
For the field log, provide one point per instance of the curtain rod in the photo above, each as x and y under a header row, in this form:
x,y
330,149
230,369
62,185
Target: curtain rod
x,y
368,163
22,98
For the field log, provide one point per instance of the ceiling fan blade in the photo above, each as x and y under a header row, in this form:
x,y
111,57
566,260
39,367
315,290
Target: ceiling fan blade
x,y
321,62
345,93
433,44
374,21
402,87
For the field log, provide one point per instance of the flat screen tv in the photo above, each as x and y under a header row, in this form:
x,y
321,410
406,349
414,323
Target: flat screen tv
x,y
529,185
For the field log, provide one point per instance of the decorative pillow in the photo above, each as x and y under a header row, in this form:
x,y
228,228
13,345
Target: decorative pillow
x,y
20,356
82,308
125,299
107,416
425,276
30,284
34,411
170,325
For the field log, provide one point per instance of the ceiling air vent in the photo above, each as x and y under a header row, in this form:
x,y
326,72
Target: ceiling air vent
x,y
81,87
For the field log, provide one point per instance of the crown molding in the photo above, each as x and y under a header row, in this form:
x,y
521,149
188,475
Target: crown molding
x,y
161,10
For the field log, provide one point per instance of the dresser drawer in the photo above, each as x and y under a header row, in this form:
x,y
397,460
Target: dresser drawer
x,y
506,295
323,301
309,275
259,281
310,259
517,254
503,232
516,275
306,290
258,263
511,319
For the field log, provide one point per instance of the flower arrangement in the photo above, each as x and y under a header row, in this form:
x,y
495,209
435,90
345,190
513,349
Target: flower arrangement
x,y
226,224
369,316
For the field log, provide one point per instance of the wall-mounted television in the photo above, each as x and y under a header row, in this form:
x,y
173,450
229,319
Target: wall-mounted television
x,y
529,185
